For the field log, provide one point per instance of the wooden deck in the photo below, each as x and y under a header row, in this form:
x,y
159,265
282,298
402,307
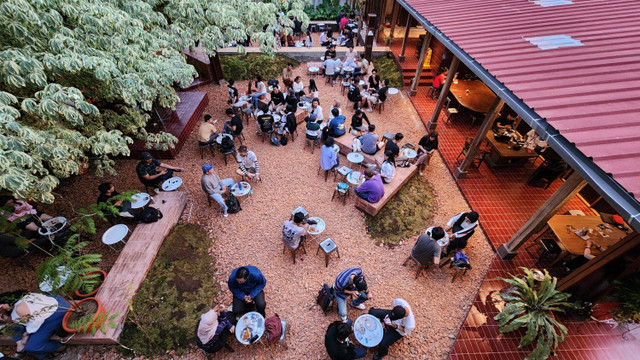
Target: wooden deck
x,y
187,114
345,141
133,264
402,177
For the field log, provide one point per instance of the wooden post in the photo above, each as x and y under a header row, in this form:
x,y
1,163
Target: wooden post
x,y
383,18
404,40
216,68
461,172
394,18
537,221
433,122
368,45
423,54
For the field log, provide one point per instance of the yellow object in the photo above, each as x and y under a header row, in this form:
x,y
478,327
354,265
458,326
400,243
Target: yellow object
x,y
427,59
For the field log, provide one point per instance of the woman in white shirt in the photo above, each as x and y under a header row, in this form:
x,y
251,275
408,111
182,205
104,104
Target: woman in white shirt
x,y
308,42
316,109
261,90
399,322
298,86
388,169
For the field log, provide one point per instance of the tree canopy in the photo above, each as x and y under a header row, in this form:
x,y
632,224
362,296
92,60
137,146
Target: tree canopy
x,y
79,78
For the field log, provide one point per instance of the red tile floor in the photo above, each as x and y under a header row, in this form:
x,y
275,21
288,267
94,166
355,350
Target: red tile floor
x,y
504,202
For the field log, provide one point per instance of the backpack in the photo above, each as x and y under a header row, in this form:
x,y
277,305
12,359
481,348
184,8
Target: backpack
x,y
273,328
274,140
233,205
284,141
460,260
226,144
356,146
149,215
325,298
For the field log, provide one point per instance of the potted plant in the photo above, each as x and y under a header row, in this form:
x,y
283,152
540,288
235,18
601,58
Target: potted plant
x,y
530,303
86,316
99,277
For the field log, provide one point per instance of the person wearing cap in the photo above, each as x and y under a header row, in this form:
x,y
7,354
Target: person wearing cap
x,y
287,75
429,246
372,189
207,132
249,167
351,282
214,187
462,226
294,231
356,122
398,322
148,173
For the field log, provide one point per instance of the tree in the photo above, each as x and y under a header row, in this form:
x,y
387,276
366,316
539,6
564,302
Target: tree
x,y
78,79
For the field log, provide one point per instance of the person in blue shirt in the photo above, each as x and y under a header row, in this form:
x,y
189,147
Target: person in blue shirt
x,y
246,284
336,125
328,156
351,282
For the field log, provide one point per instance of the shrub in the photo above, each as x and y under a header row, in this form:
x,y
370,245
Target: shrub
x,y
244,67
328,10
388,69
179,287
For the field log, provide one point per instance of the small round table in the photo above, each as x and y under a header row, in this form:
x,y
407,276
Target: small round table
x,y
361,83
140,200
368,330
393,91
408,153
52,226
220,136
317,229
171,184
313,70
47,284
354,178
252,321
115,234
355,158
244,190
348,69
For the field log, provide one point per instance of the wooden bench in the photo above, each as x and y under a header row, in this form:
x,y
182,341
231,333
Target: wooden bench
x,y
345,141
402,177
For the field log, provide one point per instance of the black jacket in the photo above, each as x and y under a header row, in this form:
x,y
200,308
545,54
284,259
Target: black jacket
x,y
336,349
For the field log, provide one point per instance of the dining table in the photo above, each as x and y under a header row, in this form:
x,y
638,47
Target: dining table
x,y
473,94
368,330
504,155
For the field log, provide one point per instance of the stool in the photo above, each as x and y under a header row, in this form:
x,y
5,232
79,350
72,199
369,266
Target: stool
x,y
458,272
421,267
202,146
345,86
326,173
312,143
293,252
433,92
328,246
380,105
313,27
546,247
227,154
341,192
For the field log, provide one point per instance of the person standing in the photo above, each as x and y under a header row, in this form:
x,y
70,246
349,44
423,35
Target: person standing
x,y
351,282
462,227
336,342
213,187
247,284
398,322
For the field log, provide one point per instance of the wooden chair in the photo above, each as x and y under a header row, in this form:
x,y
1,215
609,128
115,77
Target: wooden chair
x,y
545,247
421,267
448,110
293,252
202,146
379,105
479,158
328,246
326,173
312,143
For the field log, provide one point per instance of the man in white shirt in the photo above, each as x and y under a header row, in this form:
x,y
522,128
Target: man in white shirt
x,y
399,322
350,59
462,226
330,65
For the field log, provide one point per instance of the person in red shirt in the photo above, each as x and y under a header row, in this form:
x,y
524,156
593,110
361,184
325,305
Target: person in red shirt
x,y
439,80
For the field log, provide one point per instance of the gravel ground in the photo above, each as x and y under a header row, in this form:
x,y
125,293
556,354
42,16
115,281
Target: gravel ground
x,y
253,237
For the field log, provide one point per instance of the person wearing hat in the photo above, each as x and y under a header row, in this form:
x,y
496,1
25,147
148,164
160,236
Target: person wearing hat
x,y
429,246
398,322
214,187
148,173
249,167
351,282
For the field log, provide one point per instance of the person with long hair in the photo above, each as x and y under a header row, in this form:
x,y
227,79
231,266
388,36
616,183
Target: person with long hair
x,y
388,169
298,86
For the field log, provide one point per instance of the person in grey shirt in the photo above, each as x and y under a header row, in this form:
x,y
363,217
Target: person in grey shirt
x,y
370,141
428,247
214,187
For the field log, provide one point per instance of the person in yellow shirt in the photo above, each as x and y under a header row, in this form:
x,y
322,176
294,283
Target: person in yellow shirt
x,y
207,132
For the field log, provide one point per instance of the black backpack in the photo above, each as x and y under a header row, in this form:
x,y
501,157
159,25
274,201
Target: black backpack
x,y
325,298
283,140
233,205
149,215
226,144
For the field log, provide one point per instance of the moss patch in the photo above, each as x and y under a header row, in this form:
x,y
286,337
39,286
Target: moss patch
x,y
244,67
179,287
388,69
405,215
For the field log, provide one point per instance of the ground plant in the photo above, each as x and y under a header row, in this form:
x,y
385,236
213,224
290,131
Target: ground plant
x,y
179,287
388,69
627,294
245,67
405,215
530,304
328,10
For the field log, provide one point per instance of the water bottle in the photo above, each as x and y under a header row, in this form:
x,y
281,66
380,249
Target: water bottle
x,y
239,186
350,173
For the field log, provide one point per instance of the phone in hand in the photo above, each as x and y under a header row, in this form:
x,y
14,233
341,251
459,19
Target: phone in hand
x,y
387,320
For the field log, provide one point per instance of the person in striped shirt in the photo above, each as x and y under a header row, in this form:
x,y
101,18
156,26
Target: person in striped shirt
x,y
350,282
249,167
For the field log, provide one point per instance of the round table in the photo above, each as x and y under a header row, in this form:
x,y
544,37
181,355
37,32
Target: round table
x,y
244,98
47,284
252,321
368,330
220,136
240,192
354,178
355,158
361,83
318,228
313,70
348,69
408,153
115,234
299,44
52,226
171,184
140,200
392,91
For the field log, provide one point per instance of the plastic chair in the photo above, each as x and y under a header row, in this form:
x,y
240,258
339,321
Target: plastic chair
x,y
421,267
328,246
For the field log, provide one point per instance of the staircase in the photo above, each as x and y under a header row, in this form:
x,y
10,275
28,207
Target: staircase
x,y
425,80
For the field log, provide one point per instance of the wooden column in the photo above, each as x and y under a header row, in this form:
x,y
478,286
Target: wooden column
x,y
421,58
433,122
394,18
382,16
461,172
537,221
214,62
404,40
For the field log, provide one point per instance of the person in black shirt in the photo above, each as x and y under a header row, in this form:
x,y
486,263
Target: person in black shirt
x,y
234,126
233,92
265,123
392,144
297,27
107,192
277,98
331,52
336,341
377,97
356,122
292,99
426,147
374,80
339,17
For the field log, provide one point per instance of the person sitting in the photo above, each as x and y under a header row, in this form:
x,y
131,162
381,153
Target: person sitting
x,y
392,144
261,91
438,82
313,89
313,128
234,125
213,329
428,247
336,125
372,189
298,86
330,53
233,92
376,97
265,122
398,323
214,187
330,65
350,282
325,38
147,170
292,99
287,75
462,227
549,171
207,131
247,284
370,141
308,41
290,122
107,193
38,317
249,167
388,169
427,146
349,58
582,259
316,109
374,80
336,105
294,231
328,156
336,341
277,99
357,125
23,213
355,96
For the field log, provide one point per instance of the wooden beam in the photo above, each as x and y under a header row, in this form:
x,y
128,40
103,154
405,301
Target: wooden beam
x,y
404,39
394,18
494,111
537,221
423,54
216,68
433,122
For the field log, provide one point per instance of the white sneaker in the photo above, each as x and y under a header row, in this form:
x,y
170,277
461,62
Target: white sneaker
x,y
360,306
369,110
225,214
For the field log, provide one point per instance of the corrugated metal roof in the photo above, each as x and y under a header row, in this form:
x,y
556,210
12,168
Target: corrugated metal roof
x,y
589,93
